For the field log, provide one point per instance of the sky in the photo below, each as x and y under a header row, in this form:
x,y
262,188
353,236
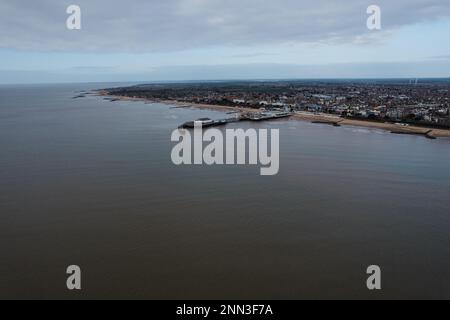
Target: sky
x,y
171,40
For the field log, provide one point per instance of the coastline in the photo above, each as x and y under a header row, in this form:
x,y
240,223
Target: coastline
x,y
305,116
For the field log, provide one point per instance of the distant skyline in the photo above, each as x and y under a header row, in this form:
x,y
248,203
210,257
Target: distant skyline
x,y
139,40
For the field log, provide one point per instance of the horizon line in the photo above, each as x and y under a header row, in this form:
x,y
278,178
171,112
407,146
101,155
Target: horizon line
x,y
228,80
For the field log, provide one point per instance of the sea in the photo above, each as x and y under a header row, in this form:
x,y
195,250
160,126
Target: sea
x,y
90,182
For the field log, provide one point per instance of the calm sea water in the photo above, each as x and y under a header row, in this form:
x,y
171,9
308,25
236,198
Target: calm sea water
x,y
90,182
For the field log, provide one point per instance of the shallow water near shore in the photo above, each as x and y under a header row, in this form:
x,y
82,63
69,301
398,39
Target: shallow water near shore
x,y
90,182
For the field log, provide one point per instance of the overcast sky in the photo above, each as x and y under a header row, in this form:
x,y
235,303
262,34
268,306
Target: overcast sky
x,y
139,40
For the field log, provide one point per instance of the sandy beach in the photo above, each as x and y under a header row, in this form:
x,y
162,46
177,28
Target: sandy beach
x,y
442,133
305,116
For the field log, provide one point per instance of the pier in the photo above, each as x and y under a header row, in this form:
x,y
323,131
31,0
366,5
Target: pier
x,y
206,122
263,116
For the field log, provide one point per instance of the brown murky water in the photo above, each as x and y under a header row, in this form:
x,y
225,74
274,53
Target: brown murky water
x,y
90,182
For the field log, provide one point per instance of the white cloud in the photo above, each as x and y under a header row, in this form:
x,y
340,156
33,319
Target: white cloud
x,y
155,25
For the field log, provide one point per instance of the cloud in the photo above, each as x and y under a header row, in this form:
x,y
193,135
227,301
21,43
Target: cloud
x,y
442,57
252,55
94,68
170,25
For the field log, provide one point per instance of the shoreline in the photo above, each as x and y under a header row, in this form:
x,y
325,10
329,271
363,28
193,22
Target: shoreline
x,y
305,116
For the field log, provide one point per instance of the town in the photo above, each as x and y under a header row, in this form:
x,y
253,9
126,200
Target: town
x,y
424,102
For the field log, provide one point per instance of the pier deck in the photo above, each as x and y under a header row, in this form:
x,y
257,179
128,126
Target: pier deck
x,y
206,122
